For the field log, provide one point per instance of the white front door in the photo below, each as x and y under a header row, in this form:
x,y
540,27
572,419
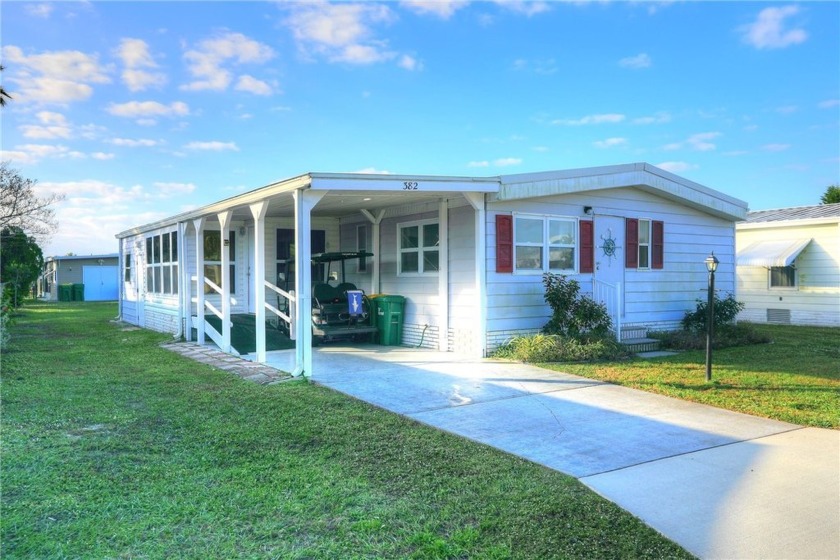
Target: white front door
x,y
608,277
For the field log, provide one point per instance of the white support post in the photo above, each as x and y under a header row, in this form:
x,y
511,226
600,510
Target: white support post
x,y
478,203
305,201
258,211
183,280
224,222
199,275
375,220
443,275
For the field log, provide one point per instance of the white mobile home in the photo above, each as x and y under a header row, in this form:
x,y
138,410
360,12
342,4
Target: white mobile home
x,y
467,253
788,265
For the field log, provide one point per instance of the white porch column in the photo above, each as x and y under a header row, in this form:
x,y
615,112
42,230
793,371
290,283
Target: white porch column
x,y
184,281
224,222
375,220
305,201
198,224
443,275
258,211
478,203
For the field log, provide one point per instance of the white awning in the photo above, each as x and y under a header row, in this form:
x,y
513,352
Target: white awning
x,y
781,252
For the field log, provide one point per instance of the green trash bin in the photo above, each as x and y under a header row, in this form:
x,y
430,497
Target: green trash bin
x,y
78,292
389,319
65,292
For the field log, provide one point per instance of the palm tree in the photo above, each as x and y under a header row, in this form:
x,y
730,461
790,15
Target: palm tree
x,y
3,94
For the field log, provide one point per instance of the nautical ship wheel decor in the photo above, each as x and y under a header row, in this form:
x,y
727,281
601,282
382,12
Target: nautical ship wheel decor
x,y
608,246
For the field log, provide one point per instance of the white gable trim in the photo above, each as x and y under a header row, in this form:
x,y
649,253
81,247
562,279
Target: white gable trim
x,y
637,175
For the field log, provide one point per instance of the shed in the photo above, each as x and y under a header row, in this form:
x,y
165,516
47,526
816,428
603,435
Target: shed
x,y
95,277
467,253
788,265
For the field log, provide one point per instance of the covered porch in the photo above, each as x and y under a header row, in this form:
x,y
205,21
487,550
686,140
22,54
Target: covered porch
x,y
231,255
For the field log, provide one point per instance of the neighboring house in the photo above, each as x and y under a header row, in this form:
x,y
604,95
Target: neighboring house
x,y
98,273
468,253
788,265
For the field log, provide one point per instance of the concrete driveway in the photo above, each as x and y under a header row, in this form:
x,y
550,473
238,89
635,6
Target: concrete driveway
x,y
719,483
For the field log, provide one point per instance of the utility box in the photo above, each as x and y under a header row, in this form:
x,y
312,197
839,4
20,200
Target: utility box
x,y
389,319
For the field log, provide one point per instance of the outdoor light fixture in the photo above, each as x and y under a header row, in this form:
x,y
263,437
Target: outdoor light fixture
x,y
711,265
587,210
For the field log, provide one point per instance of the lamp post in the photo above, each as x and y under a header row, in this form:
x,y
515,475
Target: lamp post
x,y
711,265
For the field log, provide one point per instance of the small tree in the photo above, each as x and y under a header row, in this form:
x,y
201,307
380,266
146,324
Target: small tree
x,y
21,261
831,195
573,315
724,312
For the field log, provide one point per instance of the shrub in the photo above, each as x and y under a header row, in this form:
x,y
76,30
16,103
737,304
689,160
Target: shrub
x,y
573,315
5,322
556,348
724,313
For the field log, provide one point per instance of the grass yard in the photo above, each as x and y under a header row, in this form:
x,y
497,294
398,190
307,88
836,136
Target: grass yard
x,y
115,448
796,378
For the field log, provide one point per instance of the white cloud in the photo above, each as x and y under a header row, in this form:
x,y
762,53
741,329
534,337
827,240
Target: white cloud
x,y
102,156
479,164
828,103
506,162
59,77
524,7
544,67
592,119
136,57
698,142
443,9
252,85
775,147
611,142
770,30
340,32
676,166
53,126
39,10
373,171
658,118
148,109
213,146
33,153
787,109
636,62
207,62
132,143
410,63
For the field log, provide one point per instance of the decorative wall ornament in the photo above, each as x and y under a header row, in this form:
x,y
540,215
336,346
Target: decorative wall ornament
x,y
608,246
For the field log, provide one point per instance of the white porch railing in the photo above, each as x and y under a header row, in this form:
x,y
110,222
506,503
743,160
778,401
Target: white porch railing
x,y
291,299
610,296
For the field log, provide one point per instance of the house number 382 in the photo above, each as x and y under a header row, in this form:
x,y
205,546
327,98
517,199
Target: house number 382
x,y
410,185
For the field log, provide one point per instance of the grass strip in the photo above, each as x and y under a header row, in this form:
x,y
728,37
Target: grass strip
x,y
115,448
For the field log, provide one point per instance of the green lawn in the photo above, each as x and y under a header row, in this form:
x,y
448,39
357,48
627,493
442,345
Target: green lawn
x,y
115,448
796,378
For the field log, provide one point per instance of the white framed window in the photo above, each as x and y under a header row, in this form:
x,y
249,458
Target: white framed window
x,y
213,260
417,249
127,268
161,264
644,244
544,244
782,277
361,245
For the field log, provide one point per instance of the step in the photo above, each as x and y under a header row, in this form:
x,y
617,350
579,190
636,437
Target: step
x,y
643,344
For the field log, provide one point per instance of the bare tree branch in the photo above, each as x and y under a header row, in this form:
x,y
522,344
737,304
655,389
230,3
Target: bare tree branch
x,y
21,207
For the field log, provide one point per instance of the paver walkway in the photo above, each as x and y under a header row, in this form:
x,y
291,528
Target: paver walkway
x,y
250,371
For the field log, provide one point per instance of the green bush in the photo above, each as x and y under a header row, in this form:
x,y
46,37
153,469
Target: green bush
x,y
573,315
724,313
729,335
556,348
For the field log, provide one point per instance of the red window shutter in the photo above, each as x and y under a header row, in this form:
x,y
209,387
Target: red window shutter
x,y
504,243
631,240
587,247
658,245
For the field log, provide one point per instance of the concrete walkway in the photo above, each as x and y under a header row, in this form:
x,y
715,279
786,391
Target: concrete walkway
x,y
719,483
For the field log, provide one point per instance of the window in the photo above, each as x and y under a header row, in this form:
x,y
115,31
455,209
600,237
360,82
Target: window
x,y
286,251
161,264
127,268
544,244
418,248
213,260
361,245
645,241
782,277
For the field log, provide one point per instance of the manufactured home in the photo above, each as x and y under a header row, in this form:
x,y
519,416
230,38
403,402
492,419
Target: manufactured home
x,y
94,277
788,265
466,253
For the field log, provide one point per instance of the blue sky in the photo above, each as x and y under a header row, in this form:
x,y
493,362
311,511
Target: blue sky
x,y
140,110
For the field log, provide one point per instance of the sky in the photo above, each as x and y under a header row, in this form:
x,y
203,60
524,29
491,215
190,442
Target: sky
x,y
135,111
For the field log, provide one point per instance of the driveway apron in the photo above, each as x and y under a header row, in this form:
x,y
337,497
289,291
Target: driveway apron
x,y
721,484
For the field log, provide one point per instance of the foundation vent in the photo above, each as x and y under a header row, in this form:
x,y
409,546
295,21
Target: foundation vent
x,y
778,316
